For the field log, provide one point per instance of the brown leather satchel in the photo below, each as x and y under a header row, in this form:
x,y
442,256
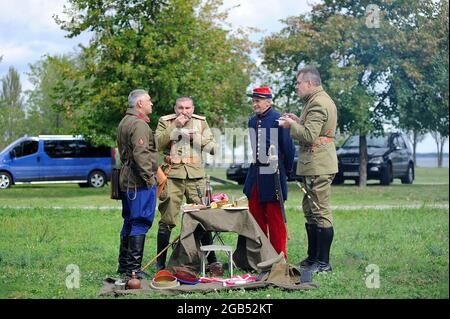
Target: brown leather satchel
x,y
115,187
161,179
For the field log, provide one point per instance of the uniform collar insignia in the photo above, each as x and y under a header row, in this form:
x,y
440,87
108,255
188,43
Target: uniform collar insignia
x,y
264,113
144,117
309,96
132,111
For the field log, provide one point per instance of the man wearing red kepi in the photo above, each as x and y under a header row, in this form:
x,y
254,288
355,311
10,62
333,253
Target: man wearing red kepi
x,y
261,182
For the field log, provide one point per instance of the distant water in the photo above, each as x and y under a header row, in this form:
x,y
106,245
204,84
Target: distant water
x,y
430,161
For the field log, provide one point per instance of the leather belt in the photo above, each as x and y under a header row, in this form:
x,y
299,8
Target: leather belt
x,y
320,141
183,160
259,164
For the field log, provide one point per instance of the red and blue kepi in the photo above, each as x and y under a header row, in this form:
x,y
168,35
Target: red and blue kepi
x,y
263,92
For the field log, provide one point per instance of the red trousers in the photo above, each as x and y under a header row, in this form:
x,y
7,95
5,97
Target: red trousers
x,y
269,218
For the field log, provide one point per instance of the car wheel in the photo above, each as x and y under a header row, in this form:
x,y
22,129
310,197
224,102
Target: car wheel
x,y
5,180
241,181
97,179
409,177
386,175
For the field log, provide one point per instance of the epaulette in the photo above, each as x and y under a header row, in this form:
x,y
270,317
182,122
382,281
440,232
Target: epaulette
x,y
168,117
203,118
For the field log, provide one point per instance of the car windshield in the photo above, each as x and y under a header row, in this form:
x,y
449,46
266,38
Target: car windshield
x,y
372,141
7,147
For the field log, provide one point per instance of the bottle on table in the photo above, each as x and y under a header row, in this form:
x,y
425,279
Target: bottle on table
x,y
208,192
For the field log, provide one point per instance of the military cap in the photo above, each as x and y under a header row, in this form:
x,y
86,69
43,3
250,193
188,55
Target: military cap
x,y
164,279
263,92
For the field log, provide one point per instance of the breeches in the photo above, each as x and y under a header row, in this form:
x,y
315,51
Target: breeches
x,y
172,197
138,211
319,188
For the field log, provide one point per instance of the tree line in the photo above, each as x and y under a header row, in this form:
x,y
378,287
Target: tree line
x,y
385,63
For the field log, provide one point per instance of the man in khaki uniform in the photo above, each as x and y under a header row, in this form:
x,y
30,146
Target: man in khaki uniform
x,y
317,164
139,155
182,137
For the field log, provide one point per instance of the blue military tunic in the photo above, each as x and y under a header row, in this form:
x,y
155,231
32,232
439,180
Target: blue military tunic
x,y
264,131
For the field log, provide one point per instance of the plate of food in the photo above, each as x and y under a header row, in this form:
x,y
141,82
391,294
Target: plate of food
x,y
232,208
192,207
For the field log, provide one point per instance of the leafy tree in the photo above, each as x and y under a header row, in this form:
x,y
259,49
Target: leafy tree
x,y
347,56
415,138
172,48
440,140
11,108
11,89
420,77
45,114
363,64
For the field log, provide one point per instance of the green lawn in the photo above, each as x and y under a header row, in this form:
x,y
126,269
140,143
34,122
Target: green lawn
x,y
430,187
408,245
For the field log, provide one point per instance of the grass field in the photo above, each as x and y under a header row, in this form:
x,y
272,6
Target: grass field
x,y
46,228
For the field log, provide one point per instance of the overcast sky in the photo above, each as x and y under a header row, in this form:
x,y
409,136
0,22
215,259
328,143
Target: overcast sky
x,y
28,31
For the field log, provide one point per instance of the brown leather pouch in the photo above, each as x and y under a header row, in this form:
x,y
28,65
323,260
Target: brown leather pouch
x,y
161,179
115,187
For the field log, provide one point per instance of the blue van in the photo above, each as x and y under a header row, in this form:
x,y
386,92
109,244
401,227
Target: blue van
x,y
55,158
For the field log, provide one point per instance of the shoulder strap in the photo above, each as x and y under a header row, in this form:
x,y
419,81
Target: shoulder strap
x,y
168,117
203,118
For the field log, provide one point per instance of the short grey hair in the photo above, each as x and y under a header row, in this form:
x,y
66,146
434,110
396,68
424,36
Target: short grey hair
x,y
310,73
135,96
184,98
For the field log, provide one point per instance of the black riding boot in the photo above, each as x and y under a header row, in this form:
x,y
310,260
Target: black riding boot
x,y
324,240
311,231
163,240
123,251
135,254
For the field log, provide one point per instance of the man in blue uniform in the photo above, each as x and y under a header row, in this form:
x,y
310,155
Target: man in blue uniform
x,y
260,185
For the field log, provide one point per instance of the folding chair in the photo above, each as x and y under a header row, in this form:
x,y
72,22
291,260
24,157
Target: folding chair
x,y
205,250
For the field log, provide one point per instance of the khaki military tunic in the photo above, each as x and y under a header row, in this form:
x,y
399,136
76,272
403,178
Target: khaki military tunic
x,y
183,162
317,161
138,151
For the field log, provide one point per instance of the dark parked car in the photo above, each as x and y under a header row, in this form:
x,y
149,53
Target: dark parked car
x,y
238,172
389,157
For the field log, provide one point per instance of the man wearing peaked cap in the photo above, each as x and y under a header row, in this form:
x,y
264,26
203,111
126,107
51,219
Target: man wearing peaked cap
x,y
260,184
263,93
